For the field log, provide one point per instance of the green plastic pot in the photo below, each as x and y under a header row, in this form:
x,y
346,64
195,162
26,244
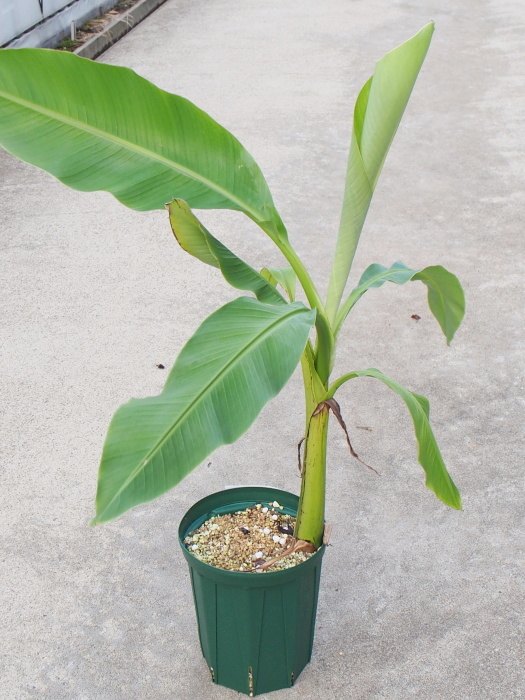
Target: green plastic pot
x,y
256,630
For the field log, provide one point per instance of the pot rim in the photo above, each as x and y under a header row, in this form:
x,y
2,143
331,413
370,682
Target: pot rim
x,y
188,522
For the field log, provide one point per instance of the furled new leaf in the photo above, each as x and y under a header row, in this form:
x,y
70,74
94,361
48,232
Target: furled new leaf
x,y
238,359
377,113
103,127
438,479
195,239
445,294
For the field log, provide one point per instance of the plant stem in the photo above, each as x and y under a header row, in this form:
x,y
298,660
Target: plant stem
x,y
310,514
316,373
324,331
325,335
302,274
324,351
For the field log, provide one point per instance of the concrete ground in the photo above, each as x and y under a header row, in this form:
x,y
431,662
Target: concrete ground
x,y
417,601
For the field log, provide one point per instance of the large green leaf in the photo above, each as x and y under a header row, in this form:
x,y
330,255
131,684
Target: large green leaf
x,y
238,359
195,239
377,113
438,479
102,127
445,294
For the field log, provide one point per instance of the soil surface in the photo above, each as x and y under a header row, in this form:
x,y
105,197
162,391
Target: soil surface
x,y
96,25
248,540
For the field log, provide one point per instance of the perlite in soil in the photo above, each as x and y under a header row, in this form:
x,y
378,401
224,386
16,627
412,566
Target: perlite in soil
x,y
248,540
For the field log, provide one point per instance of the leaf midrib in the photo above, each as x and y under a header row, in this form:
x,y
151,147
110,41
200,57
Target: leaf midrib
x,y
158,445
133,147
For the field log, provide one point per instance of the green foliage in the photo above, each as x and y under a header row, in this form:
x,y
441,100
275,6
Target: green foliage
x,y
101,127
438,479
445,294
196,240
283,276
377,114
239,358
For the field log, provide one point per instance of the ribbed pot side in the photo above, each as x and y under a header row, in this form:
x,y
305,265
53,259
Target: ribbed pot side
x,y
256,630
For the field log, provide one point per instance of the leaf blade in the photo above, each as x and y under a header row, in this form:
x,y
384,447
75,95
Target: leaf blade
x,y
446,298
195,239
97,126
283,276
377,114
238,359
437,479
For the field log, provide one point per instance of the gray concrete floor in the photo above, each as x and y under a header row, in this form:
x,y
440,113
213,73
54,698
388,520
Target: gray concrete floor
x,y
417,601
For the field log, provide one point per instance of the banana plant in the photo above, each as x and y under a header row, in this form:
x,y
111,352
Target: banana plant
x,y
102,127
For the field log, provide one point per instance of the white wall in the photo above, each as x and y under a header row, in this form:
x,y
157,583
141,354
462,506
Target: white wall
x,y
44,22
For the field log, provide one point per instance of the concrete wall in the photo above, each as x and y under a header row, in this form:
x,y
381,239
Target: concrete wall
x,y
26,23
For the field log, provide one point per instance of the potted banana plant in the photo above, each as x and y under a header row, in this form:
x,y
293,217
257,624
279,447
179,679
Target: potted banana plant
x,y
101,127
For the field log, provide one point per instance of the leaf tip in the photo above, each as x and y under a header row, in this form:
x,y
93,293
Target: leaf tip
x,y
428,28
457,505
455,501
450,335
